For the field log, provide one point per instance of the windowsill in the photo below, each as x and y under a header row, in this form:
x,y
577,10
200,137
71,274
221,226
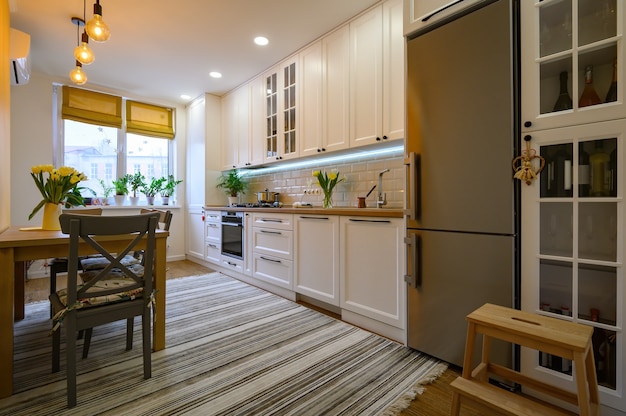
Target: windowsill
x,y
138,206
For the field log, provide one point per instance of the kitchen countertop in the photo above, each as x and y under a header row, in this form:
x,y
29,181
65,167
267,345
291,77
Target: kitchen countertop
x,y
288,209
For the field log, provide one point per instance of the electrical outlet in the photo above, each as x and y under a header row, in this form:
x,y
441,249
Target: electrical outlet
x,y
312,191
317,191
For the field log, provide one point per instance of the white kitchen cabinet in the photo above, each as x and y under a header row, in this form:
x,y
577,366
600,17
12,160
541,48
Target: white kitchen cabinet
x,y
282,115
377,75
573,214
212,236
420,14
553,43
195,179
257,121
272,248
372,269
317,257
236,128
324,94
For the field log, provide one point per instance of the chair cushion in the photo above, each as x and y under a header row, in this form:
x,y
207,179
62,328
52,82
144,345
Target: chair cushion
x,y
113,280
114,274
95,263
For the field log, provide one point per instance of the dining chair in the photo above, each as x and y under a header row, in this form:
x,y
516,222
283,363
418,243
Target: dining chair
x,y
113,293
89,266
59,264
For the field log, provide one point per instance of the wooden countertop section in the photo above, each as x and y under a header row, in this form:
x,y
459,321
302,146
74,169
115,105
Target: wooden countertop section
x,y
347,211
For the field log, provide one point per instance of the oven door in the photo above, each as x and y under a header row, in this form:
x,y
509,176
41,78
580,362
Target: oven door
x,y
232,240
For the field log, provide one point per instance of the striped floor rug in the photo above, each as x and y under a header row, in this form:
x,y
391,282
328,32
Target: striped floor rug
x,y
232,349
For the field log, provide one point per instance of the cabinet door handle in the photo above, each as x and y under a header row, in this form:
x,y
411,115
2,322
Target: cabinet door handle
x,y
313,218
268,259
212,245
270,220
213,225
447,6
374,221
414,277
270,232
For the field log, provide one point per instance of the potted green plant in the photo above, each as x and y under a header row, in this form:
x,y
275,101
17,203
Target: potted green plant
x,y
152,188
136,181
169,187
107,190
233,184
121,189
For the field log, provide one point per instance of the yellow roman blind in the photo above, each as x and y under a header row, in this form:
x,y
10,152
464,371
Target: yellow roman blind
x,y
149,120
92,107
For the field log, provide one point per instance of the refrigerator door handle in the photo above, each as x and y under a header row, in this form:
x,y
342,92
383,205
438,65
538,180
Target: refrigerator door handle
x,y
414,277
412,199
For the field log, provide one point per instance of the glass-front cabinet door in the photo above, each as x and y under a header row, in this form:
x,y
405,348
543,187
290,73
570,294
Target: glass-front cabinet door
x,y
573,247
572,62
281,114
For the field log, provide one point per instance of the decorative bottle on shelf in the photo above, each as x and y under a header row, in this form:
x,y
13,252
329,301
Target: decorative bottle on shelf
x,y
583,171
599,161
611,94
589,95
564,101
562,173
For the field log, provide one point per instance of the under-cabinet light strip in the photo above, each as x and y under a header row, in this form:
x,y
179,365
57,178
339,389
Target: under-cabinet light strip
x,y
390,151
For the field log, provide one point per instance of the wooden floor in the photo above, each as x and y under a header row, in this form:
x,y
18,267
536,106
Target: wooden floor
x,y
435,401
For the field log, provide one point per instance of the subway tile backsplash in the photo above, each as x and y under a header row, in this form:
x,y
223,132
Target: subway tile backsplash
x,y
360,174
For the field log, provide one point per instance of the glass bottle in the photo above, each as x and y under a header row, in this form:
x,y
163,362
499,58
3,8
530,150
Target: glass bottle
x,y
564,101
599,161
611,94
583,171
589,95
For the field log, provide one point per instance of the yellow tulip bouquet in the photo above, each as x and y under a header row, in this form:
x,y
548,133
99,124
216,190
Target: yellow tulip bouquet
x,y
58,186
327,181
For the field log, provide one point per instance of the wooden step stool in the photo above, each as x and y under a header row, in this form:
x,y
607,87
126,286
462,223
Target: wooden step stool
x,y
549,335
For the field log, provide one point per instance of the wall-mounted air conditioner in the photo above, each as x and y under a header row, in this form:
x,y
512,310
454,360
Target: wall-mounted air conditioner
x,y
19,57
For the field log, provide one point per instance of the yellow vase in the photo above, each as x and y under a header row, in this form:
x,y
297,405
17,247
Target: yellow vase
x,y
51,214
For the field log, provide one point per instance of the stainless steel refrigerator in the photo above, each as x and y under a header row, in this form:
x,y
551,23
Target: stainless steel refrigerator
x,y
461,196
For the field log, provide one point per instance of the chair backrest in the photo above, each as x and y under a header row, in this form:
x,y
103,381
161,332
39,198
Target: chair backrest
x,y
84,211
87,229
165,217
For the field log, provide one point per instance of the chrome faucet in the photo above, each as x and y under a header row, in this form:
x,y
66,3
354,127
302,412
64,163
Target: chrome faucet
x,y
382,197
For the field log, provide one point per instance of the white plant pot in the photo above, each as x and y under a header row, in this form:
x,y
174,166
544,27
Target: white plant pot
x,y
165,200
134,200
119,199
150,200
232,200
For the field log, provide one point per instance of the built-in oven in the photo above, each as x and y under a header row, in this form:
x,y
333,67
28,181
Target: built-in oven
x,y
232,234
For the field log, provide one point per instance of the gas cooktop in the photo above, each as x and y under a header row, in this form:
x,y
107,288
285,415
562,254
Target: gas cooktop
x,y
257,205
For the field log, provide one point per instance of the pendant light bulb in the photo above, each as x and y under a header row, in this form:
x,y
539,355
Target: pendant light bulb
x,y
77,75
97,30
83,52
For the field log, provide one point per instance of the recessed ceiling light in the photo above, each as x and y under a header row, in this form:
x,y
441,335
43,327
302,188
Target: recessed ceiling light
x,y
261,40
185,96
215,74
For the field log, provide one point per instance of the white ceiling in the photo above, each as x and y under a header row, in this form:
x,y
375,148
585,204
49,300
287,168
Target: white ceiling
x,y
161,49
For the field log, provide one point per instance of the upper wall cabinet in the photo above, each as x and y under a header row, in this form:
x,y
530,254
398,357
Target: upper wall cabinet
x,y
281,117
235,127
324,94
419,14
377,75
572,62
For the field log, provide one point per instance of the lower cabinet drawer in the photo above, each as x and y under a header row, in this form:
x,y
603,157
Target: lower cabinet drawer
x,y
273,270
273,242
213,252
233,264
213,230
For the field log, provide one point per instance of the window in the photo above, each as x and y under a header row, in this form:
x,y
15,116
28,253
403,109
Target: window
x,y
94,141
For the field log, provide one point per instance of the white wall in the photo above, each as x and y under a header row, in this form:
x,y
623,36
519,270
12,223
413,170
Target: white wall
x,y
32,144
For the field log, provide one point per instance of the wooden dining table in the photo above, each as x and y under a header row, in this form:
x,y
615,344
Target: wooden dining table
x,y
21,244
